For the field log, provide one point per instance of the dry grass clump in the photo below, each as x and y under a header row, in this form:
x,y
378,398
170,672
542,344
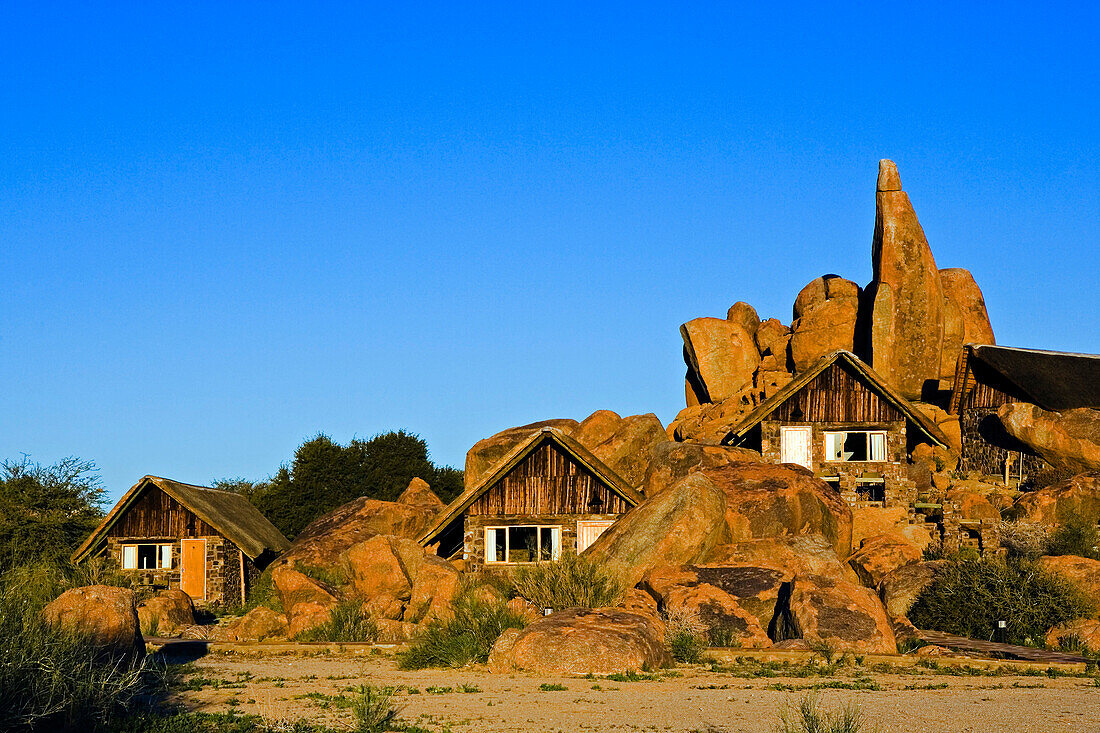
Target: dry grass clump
x,y
571,582
685,635
810,716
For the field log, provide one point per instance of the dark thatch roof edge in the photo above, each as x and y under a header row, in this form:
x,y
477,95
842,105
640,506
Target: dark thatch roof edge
x,y
517,454
231,514
768,406
1053,380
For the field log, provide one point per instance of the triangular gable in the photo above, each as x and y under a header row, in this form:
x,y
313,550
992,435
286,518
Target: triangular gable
x,y
547,434
864,373
230,514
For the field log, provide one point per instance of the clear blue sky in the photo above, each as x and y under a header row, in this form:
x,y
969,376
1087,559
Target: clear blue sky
x,y
225,229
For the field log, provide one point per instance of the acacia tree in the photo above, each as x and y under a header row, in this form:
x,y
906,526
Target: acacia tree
x,y
325,474
46,511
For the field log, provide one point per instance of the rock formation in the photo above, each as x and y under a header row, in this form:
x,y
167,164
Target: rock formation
x,y
103,615
825,314
1068,440
167,613
582,641
1077,497
907,312
721,357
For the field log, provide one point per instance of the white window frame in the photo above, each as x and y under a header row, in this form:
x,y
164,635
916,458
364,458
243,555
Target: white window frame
x,y
163,555
871,440
490,542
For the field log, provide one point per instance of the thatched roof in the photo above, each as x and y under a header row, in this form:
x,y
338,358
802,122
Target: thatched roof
x,y
1053,380
537,438
869,377
231,514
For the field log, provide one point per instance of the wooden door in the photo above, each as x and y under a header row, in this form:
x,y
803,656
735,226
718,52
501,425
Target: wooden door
x,y
588,531
795,443
193,569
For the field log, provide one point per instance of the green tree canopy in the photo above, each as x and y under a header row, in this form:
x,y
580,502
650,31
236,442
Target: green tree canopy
x,y
325,474
46,511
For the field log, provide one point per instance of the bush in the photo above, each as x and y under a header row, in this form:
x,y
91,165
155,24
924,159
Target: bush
x,y
467,637
373,709
572,582
51,679
685,635
810,717
348,622
1076,537
1024,539
969,597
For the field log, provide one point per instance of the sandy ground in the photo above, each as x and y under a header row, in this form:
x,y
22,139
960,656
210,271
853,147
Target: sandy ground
x,y
691,698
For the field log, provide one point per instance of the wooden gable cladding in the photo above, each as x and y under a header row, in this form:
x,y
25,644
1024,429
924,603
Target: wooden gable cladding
x,y
986,388
548,481
155,514
837,394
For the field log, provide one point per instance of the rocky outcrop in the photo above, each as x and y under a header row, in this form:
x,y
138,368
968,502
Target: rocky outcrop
x,y
1078,631
880,556
825,320
398,580
488,452
900,589
744,315
105,616
418,493
768,500
906,295
582,641
721,357
1082,572
325,538
972,504
675,527
1077,497
1068,440
307,602
259,624
843,614
966,319
672,462
710,423
624,444
167,613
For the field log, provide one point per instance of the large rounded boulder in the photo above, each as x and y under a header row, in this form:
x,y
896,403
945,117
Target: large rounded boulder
x,y
1068,440
104,615
167,613
488,452
307,602
768,500
582,641
624,444
1077,497
721,357
845,615
879,556
259,624
1082,572
670,462
677,526
900,589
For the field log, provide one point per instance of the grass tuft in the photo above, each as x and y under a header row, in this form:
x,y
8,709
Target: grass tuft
x,y
571,582
465,638
348,622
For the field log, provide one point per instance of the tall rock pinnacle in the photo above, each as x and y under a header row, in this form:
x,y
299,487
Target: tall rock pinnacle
x,y
907,312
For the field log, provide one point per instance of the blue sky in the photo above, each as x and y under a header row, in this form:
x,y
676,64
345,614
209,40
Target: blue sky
x,y
225,229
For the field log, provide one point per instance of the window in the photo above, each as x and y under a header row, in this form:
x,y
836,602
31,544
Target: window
x,y
855,445
146,557
522,543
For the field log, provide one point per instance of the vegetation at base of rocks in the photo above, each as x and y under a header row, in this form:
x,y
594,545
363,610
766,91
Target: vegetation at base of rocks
x,y
1026,540
969,598
723,638
46,511
347,622
685,635
374,709
1075,537
810,716
324,475
264,593
571,582
54,680
464,638
822,648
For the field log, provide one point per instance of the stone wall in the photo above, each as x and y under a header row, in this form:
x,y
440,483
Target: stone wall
x,y
222,567
474,532
852,479
986,447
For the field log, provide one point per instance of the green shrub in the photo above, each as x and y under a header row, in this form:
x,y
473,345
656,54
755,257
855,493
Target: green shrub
x,y
687,647
571,582
968,598
1076,537
51,679
467,637
347,622
373,709
808,716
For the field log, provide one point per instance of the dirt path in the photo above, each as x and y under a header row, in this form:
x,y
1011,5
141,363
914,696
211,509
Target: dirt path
x,y
687,699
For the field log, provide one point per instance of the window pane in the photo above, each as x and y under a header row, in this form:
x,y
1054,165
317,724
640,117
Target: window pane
x,y
834,444
878,446
129,557
147,557
855,447
165,557
546,543
522,544
494,545
556,535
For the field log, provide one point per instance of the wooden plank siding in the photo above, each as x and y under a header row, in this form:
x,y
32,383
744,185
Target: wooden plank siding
x,y
837,396
548,481
155,514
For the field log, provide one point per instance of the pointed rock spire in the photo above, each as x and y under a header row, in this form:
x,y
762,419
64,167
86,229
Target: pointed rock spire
x,y
907,312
